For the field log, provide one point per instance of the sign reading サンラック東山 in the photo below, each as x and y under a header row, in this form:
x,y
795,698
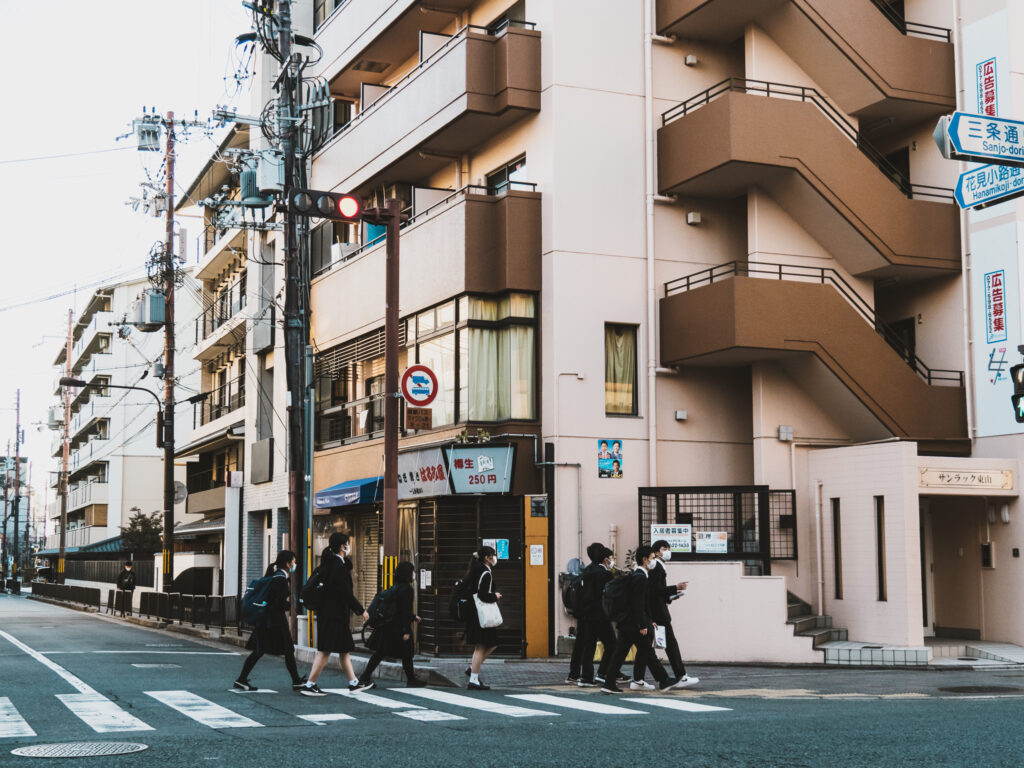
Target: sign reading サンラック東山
x,y
480,468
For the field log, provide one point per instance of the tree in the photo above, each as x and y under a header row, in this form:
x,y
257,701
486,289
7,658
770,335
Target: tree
x,y
144,533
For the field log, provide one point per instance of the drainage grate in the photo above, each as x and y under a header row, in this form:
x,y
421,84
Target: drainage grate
x,y
982,689
80,749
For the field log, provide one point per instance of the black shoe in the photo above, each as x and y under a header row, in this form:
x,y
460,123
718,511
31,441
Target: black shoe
x,y
598,679
588,683
477,687
415,682
572,679
299,684
667,683
311,690
361,686
606,688
623,679
469,671
245,685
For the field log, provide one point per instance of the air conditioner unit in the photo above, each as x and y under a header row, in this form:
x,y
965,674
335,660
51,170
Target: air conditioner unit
x,y
149,311
55,416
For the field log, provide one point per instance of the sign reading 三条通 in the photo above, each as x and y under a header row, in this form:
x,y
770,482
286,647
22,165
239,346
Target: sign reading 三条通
x,y
712,542
678,536
982,138
988,184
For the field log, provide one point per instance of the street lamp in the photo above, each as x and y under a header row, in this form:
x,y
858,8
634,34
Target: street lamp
x,y
68,381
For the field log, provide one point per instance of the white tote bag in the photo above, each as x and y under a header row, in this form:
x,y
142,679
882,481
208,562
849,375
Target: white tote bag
x,y
488,614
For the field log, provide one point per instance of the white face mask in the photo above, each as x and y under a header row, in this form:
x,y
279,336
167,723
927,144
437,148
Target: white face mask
x,y
291,569
666,555
611,563
346,549
652,564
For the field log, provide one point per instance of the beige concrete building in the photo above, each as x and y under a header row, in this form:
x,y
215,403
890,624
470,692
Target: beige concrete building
x,y
687,263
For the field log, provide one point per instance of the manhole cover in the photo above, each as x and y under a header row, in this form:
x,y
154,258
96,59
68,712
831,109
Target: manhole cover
x,y
982,689
80,749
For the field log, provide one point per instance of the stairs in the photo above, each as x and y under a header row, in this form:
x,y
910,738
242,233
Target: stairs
x,y
807,624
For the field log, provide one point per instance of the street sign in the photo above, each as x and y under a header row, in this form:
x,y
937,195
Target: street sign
x,y
418,418
988,185
419,385
980,138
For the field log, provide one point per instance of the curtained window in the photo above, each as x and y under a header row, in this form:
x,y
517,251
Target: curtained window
x,y
620,395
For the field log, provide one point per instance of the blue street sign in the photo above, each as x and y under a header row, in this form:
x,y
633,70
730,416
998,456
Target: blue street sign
x,y
987,185
981,139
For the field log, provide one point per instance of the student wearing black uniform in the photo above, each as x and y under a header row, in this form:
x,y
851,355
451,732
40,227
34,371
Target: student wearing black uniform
x,y
394,639
483,639
592,623
636,626
333,634
274,636
659,594
126,585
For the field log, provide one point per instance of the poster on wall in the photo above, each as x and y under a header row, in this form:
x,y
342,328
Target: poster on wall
x,y
679,537
609,458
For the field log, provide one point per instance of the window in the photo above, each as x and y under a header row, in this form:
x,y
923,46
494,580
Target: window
x,y
837,549
620,395
502,179
880,546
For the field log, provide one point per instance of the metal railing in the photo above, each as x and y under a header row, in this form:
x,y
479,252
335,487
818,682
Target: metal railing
x,y
205,480
107,571
206,610
225,305
353,421
477,189
219,402
822,275
911,27
815,97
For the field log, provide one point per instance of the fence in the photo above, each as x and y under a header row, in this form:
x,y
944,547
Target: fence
x,y
196,610
107,571
65,592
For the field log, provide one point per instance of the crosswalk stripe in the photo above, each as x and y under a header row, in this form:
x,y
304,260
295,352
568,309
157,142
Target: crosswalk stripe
x,y
429,715
575,703
484,705
12,724
327,717
101,714
678,704
202,710
369,698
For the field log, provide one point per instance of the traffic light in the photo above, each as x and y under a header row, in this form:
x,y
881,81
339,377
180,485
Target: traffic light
x,y
1017,398
326,205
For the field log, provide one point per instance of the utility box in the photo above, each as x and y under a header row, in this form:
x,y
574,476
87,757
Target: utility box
x,y
270,173
55,416
149,311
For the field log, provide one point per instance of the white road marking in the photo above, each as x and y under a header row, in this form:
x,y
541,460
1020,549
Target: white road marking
x,y
202,710
12,724
101,714
76,683
429,715
678,704
258,690
369,698
570,702
470,702
326,718
146,653
157,666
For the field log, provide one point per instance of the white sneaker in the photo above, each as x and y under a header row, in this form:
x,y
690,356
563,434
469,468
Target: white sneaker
x,y
686,681
640,685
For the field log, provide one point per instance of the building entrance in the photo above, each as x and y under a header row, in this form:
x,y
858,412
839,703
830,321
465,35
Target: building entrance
x,y
953,535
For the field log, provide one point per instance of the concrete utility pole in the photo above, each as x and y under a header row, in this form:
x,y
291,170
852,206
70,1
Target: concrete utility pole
x,y
62,483
17,488
28,515
168,435
7,515
393,220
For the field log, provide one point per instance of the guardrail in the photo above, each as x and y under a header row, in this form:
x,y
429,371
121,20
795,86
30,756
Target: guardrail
x,y
89,596
911,27
196,610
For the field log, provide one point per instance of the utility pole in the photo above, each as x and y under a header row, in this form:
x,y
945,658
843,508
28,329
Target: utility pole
x,y
393,221
168,436
65,453
28,515
7,514
17,490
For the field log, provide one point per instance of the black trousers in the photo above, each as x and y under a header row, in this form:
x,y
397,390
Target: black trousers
x,y
289,662
671,650
590,631
645,657
378,657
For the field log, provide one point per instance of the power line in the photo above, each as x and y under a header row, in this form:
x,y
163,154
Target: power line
x,y
60,157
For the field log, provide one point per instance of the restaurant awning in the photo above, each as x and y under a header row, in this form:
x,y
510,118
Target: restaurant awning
x,y
364,491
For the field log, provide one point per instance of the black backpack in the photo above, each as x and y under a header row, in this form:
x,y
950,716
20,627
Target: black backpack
x,y
383,608
254,601
460,601
312,594
615,598
573,594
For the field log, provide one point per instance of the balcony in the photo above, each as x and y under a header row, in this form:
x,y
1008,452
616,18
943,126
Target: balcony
x,y
219,248
221,324
791,142
84,535
469,241
219,402
741,313
206,491
874,63
94,339
94,492
88,452
471,88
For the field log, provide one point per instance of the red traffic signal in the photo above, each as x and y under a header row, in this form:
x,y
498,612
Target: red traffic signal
x,y
325,205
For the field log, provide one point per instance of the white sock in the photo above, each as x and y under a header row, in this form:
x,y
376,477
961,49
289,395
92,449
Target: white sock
x,y
310,683
354,681
474,678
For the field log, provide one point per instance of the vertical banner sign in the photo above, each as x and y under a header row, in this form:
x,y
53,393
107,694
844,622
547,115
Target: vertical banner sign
x,y
995,315
987,97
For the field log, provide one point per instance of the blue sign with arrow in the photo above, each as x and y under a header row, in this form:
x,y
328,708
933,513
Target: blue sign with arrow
x,y
980,138
990,184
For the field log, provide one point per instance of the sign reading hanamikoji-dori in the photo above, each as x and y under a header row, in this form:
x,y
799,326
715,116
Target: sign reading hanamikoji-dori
x,y
485,468
988,185
419,385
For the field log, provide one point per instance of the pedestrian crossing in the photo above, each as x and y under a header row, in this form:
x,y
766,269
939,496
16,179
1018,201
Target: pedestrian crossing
x,y
222,710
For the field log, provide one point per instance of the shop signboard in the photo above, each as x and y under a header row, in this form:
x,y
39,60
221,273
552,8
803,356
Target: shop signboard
x,y
422,474
484,468
713,542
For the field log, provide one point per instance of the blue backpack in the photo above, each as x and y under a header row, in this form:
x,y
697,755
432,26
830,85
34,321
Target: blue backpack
x,y
254,602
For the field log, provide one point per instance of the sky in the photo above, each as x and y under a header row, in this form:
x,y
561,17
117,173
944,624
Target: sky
x,y
75,75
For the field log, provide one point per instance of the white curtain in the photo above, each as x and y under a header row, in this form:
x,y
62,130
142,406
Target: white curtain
x,y
482,382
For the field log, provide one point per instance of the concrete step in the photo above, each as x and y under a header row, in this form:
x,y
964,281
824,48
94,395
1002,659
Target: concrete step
x,y
796,607
802,624
823,635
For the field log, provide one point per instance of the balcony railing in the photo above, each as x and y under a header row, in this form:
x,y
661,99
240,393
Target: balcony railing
x,y
911,27
418,216
353,421
205,480
815,97
823,275
226,304
219,402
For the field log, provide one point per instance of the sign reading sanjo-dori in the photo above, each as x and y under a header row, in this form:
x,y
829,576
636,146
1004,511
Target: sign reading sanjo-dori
x,y
989,184
980,138
419,385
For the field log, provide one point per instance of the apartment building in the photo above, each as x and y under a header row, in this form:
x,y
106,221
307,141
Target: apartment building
x,y
115,467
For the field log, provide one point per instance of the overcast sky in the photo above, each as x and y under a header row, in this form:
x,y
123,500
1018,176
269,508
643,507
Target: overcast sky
x,y
75,74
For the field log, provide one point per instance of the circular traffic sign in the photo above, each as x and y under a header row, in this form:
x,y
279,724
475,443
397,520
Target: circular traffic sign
x,y
419,385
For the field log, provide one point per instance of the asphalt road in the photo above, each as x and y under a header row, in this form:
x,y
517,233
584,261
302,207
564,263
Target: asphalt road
x,y
67,676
